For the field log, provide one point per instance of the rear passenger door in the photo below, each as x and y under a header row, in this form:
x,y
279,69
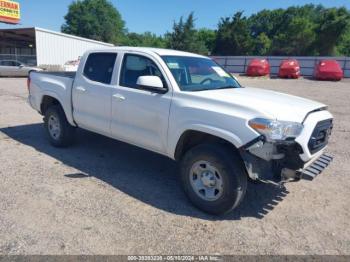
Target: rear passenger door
x,y
92,92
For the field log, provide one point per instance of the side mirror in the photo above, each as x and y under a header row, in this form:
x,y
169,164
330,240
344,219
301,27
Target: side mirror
x,y
21,66
151,83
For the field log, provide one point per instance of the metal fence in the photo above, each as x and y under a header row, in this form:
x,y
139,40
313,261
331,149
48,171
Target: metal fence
x,y
25,59
239,64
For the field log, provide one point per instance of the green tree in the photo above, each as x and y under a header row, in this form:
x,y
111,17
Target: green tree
x,y
132,39
234,36
95,19
262,44
343,48
299,30
333,23
267,22
207,36
288,31
296,38
146,39
185,37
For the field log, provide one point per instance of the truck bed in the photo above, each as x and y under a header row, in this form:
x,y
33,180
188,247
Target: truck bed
x,y
55,84
58,73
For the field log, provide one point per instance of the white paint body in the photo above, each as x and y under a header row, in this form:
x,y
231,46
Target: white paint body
x,y
156,121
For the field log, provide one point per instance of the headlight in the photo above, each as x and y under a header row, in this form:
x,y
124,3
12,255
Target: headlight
x,y
276,130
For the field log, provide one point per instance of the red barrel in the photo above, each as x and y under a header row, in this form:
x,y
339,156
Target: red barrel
x,y
328,70
289,68
258,67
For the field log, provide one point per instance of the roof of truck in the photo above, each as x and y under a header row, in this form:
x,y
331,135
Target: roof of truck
x,y
159,51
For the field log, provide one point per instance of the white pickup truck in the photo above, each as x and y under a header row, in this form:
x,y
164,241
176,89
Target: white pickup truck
x,y
187,107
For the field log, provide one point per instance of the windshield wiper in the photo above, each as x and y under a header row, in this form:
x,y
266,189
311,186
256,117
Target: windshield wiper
x,y
211,88
199,89
226,87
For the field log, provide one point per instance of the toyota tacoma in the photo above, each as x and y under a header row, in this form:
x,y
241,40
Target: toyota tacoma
x,y
190,109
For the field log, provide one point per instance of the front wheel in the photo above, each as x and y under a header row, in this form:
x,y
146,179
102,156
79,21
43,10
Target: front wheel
x,y
213,178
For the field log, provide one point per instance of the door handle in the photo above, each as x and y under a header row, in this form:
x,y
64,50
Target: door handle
x,y
81,89
119,97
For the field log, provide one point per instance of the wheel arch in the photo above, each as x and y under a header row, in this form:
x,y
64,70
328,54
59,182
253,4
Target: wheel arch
x,y
51,98
47,101
194,136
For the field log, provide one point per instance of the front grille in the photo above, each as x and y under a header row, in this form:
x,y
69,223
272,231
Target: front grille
x,y
320,136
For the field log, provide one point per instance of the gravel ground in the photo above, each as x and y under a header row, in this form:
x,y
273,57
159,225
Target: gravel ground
x,y
105,197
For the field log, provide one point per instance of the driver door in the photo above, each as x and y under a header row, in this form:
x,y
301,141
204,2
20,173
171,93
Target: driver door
x,y
140,116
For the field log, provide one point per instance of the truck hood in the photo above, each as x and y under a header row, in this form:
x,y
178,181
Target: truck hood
x,y
268,103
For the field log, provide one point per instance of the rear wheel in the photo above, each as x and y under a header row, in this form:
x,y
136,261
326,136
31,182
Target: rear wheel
x,y
59,131
213,178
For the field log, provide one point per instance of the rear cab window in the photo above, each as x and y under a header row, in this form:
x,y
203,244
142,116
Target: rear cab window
x,y
99,67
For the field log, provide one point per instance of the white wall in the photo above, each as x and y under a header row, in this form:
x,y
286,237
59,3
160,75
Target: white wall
x,y
55,48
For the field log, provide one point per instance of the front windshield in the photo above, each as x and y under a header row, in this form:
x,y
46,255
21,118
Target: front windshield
x,y
197,73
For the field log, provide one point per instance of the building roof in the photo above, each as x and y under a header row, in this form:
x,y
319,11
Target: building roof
x,y
30,31
71,36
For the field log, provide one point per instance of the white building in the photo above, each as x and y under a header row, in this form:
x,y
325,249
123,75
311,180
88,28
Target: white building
x,y
41,47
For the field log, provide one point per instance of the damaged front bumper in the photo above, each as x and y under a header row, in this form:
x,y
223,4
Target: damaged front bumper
x,y
303,157
278,163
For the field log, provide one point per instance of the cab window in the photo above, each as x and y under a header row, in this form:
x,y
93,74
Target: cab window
x,y
99,67
135,66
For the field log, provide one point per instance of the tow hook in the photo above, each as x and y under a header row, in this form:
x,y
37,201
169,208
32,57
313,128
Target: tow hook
x,y
287,175
279,184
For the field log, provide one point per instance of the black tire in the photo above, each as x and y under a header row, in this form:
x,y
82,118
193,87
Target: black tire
x,y
232,173
67,132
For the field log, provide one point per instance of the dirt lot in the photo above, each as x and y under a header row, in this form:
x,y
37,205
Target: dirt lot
x,y
105,197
